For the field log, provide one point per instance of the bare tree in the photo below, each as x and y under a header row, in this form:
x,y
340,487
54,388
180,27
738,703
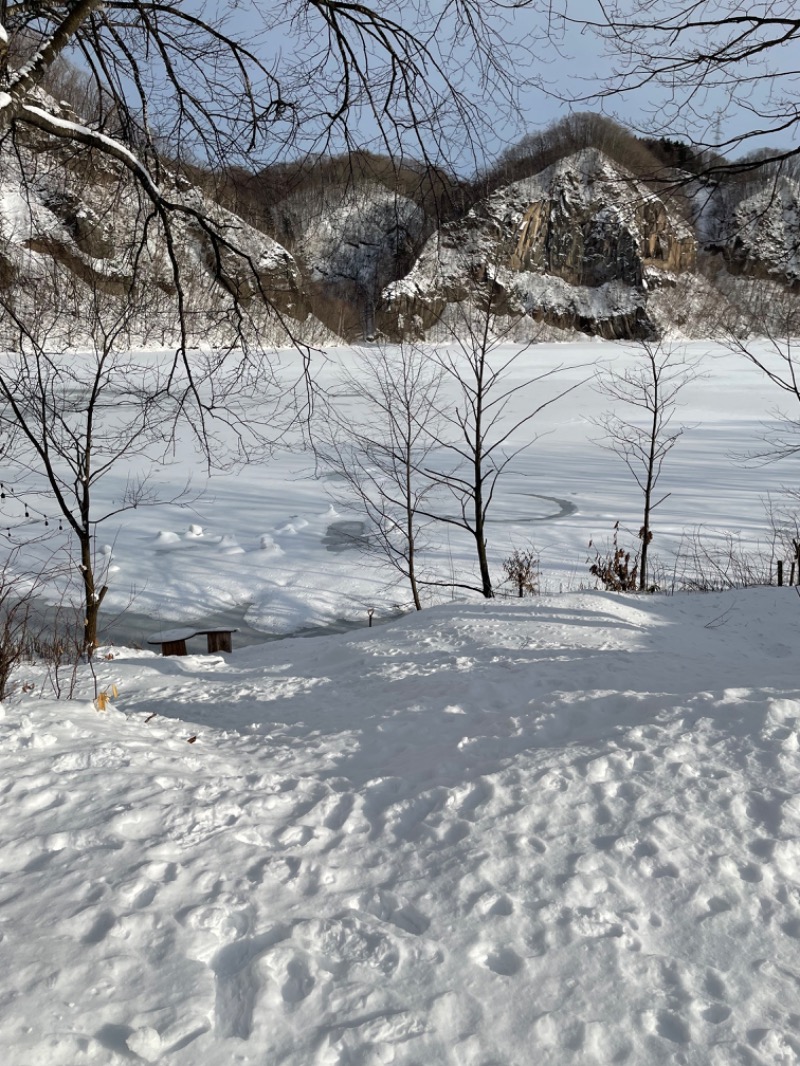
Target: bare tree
x,y
702,62
379,450
644,439
169,89
18,626
477,442
769,337
69,419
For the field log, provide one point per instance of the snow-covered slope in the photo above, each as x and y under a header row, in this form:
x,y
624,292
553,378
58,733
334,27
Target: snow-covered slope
x,y
352,240
582,246
75,228
759,235
356,236
562,831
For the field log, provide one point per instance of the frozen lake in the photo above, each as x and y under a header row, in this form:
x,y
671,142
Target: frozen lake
x,y
276,547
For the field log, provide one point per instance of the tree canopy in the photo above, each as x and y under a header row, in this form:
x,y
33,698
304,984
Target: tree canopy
x,y
722,76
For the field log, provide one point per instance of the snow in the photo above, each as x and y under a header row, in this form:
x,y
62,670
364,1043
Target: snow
x,y
567,828
279,543
560,298
22,217
83,134
562,830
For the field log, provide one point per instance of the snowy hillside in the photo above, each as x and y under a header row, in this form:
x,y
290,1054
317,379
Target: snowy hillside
x,y
763,238
752,223
581,247
78,234
356,239
563,831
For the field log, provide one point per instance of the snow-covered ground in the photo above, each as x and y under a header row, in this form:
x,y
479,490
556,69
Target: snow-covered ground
x,y
564,830
272,546
559,831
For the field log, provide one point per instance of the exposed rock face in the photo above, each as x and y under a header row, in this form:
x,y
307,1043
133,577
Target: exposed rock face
x,y
759,236
259,268
578,246
360,239
74,226
354,240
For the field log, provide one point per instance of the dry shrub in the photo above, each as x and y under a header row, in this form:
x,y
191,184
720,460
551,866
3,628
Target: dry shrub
x,y
712,560
522,571
616,569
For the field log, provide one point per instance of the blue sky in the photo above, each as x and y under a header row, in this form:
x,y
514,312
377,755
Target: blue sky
x,y
550,66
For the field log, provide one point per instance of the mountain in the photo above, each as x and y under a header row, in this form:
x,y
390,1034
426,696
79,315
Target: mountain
x,y
75,229
579,246
585,245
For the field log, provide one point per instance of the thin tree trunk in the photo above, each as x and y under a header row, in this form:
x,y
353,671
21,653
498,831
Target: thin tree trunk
x,y
648,490
480,538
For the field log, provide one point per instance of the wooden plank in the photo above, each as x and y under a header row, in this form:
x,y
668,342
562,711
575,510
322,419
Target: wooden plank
x,y
173,641
167,635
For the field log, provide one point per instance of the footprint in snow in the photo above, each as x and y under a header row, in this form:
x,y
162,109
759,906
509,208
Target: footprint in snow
x,y
503,961
238,982
394,909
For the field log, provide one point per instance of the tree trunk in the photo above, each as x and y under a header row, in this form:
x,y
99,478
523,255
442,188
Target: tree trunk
x,y
92,599
483,563
648,492
480,543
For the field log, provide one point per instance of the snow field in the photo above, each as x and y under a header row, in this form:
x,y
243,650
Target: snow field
x,y
276,548
559,831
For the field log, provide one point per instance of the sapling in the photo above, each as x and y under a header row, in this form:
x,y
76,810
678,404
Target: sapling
x,y
522,571
643,439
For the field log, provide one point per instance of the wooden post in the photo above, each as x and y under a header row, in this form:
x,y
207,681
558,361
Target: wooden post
x,y
173,647
780,571
220,642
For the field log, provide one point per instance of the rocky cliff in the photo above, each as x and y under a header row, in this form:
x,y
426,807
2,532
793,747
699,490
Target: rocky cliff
x,y
354,240
754,226
77,230
579,246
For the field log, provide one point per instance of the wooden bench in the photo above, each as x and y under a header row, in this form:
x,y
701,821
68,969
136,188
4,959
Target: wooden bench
x,y
173,641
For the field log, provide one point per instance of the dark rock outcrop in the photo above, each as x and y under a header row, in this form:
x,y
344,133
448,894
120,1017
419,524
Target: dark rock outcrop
x,y
579,246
